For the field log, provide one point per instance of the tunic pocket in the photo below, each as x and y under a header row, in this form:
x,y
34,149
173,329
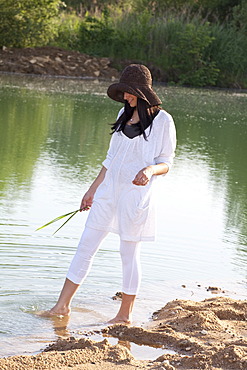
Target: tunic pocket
x,y
144,198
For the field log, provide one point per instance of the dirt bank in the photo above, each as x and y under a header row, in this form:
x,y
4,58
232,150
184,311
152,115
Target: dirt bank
x,y
55,62
211,334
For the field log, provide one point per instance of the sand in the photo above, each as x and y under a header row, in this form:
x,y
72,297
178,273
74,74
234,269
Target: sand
x,y
211,334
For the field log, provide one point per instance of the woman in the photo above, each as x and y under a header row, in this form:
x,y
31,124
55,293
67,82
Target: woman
x,y
121,198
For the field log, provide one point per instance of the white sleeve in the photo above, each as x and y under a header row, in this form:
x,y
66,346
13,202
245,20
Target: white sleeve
x,y
168,143
110,153
111,150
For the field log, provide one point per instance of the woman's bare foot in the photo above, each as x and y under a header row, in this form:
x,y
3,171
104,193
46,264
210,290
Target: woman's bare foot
x,y
60,310
119,320
62,307
124,314
55,311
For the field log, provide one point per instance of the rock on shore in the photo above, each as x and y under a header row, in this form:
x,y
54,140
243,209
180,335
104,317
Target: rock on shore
x,y
55,62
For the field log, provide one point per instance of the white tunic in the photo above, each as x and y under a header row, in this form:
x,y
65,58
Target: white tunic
x,y
119,206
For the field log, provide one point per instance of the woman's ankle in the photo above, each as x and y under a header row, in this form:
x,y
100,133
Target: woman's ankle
x,y
60,309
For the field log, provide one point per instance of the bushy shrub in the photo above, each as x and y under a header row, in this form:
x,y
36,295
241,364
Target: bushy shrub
x,y
132,36
185,49
96,35
68,31
27,23
192,63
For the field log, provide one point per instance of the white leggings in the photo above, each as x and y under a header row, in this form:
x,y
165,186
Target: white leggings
x,y
87,248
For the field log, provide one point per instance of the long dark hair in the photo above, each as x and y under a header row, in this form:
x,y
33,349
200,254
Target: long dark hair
x,y
146,114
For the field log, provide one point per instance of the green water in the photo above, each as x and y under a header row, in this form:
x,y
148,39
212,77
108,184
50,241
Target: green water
x,y
54,134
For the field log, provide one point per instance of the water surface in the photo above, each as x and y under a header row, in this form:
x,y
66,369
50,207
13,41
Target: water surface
x,y
54,135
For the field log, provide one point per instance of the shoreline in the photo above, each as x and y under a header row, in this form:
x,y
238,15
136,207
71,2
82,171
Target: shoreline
x,y
209,334
104,79
55,62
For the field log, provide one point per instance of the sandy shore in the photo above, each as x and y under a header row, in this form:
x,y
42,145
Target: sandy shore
x,y
211,334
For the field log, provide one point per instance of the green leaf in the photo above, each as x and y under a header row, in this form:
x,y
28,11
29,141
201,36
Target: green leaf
x,y
59,218
66,221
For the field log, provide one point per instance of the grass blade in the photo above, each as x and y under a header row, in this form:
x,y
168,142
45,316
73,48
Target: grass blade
x,y
59,218
66,221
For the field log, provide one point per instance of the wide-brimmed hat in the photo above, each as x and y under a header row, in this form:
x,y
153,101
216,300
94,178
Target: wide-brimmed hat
x,y
135,79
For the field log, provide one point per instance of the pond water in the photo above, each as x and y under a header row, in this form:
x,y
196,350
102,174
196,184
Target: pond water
x,y
54,134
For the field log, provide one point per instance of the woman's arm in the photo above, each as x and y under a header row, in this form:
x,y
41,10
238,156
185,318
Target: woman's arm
x,y
144,175
87,199
166,137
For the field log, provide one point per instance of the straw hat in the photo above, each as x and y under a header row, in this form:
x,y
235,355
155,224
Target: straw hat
x,y
135,79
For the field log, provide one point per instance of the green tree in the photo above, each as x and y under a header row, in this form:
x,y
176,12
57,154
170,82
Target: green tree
x,y
239,21
211,10
160,7
28,23
215,10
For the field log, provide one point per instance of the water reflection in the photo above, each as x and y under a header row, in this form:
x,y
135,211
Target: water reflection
x,y
60,326
53,137
24,127
212,130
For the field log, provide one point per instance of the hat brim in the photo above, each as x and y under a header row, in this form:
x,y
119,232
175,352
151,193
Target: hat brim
x,y
116,92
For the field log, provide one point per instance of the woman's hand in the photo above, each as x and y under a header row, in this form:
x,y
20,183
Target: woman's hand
x,y
87,200
143,177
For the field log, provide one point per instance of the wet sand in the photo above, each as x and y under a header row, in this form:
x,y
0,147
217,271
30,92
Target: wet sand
x,y
211,334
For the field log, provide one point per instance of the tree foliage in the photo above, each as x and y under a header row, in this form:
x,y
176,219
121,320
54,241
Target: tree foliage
x,y
196,42
95,7
26,23
212,9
